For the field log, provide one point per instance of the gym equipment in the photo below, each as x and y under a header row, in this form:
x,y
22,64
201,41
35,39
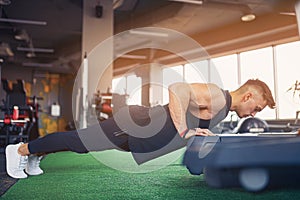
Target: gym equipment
x,y
252,161
105,104
253,125
20,115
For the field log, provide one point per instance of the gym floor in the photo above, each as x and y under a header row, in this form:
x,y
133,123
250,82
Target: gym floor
x,y
80,176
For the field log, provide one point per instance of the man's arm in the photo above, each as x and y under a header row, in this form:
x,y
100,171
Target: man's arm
x,y
179,98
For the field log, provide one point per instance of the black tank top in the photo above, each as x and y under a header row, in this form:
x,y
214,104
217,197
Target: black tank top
x,y
194,122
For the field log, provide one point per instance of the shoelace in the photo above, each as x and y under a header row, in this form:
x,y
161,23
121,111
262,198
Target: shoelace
x,y
34,161
23,162
37,163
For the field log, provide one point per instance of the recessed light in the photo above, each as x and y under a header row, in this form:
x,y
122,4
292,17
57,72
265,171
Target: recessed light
x,y
248,17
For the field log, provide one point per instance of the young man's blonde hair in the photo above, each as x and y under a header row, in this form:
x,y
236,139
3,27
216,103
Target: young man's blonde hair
x,y
262,88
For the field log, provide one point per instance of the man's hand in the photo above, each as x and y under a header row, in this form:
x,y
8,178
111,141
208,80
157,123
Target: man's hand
x,y
198,131
203,132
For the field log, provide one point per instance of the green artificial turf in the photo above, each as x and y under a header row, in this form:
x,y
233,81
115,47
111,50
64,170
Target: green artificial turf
x,y
81,176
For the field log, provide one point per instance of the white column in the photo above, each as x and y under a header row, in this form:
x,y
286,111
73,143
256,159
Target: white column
x,y
156,84
95,30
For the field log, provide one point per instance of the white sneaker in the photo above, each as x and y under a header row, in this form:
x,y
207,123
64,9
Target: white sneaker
x,y
15,163
33,165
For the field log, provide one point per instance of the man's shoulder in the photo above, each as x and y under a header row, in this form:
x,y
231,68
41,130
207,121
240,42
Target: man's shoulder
x,y
208,86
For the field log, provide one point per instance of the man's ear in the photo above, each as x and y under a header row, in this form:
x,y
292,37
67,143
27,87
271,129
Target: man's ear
x,y
247,96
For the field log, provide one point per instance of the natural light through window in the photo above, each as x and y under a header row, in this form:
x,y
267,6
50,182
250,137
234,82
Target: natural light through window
x,y
134,90
196,72
259,64
171,75
119,85
226,72
130,85
288,73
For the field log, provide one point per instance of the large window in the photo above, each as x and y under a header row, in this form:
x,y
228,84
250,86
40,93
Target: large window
x,y
130,85
224,72
259,64
119,85
171,75
134,89
288,67
196,72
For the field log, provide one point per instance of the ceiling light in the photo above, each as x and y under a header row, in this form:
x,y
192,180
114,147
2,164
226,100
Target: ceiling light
x,y
148,33
37,65
20,21
288,13
40,50
130,56
189,1
248,17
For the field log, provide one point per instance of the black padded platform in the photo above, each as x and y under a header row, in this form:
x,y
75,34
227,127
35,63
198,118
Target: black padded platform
x,y
251,161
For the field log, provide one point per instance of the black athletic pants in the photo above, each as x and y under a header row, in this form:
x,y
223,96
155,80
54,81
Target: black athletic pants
x,y
93,138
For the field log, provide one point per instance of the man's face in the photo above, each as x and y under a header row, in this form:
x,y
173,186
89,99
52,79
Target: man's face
x,y
250,105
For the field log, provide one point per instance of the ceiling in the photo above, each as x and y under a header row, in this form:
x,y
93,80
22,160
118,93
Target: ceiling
x,y
51,38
